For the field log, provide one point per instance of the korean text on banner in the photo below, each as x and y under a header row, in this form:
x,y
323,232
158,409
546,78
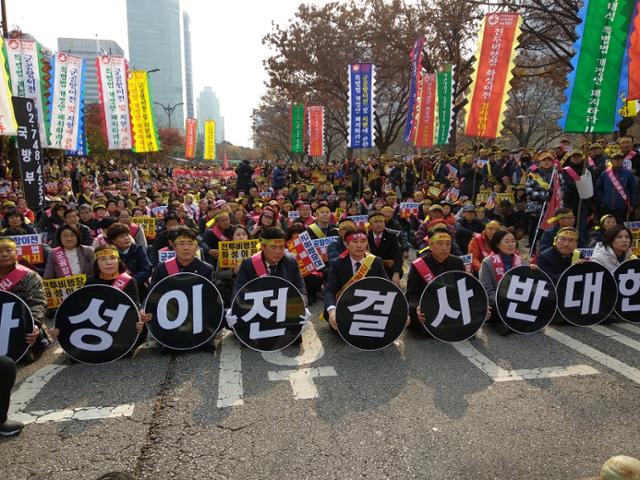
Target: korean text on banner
x,y
592,99
425,121
490,81
114,99
147,224
361,105
444,104
297,128
143,125
209,140
233,252
67,109
316,131
30,153
29,248
57,289
416,67
307,256
25,70
190,138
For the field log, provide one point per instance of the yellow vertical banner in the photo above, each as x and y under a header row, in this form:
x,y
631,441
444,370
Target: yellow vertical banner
x,y
209,140
143,125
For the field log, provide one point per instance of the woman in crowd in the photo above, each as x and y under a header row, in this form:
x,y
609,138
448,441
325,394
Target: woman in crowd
x,y
504,257
607,222
265,220
136,231
110,270
614,249
15,222
479,245
71,257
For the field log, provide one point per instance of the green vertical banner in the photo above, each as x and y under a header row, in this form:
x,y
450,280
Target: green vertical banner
x,y
445,103
592,102
297,128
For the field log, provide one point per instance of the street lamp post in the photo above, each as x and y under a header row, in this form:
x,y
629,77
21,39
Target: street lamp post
x,y
169,109
521,126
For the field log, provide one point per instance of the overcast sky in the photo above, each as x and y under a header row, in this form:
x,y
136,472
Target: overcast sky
x,y
226,38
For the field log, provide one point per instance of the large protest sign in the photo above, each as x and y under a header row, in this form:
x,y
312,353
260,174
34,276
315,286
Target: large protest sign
x,y
187,311
307,255
58,289
371,313
29,248
267,314
97,324
16,322
526,299
148,225
322,244
233,252
454,305
587,294
627,277
30,152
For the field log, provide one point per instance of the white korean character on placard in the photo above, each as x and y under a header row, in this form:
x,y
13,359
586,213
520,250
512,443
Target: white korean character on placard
x,y
590,302
371,325
520,291
446,310
628,285
92,314
258,309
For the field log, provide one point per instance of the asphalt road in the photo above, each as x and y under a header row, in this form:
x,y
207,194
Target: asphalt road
x,y
554,405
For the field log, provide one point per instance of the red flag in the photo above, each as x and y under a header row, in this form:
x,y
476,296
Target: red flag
x,y
634,58
225,163
553,203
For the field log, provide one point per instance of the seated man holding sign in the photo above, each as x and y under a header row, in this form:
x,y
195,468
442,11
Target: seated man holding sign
x,y
271,260
185,244
352,265
24,283
436,261
564,253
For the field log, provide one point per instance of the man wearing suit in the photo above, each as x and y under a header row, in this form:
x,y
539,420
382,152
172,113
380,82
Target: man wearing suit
x,y
271,260
352,264
384,244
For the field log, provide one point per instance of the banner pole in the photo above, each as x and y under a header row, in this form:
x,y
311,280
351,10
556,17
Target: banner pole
x,y
532,243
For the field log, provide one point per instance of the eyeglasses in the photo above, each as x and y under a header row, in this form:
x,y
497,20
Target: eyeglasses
x,y
567,239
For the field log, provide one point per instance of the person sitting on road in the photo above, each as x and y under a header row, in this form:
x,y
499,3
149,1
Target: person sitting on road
x,y
185,244
425,268
614,249
564,253
505,256
352,265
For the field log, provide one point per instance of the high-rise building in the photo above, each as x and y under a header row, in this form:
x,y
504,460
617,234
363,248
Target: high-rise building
x,y
155,42
188,65
209,109
88,49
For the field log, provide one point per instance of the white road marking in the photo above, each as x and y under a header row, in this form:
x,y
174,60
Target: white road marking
x,y
230,390
312,350
30,388
302,380
618,337
596,355
629,327
499,374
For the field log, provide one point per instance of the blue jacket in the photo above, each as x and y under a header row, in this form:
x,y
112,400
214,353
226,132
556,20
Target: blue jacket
x,y
279,180
137,263
609,197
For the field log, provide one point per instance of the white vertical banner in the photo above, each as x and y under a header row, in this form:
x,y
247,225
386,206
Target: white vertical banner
x,y
114,98
66,101
8,125
25,75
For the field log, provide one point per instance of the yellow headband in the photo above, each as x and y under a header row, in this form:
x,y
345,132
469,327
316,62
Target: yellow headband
x,y
568,234
7,242
108,252
323,207
346,225
560,216
439,236
275,242
185,238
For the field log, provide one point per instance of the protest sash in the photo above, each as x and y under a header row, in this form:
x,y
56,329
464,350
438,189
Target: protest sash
x,y
365,266
62,261
122,281
592,97
423,269
172,266
498,265
616,183
14,277
258,265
